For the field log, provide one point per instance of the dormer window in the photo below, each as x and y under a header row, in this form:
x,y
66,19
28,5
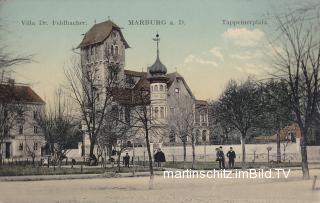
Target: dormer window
x,y
156,88
177,92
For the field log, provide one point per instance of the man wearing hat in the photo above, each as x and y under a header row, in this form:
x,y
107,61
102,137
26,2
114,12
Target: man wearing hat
x,y
220,158
231,155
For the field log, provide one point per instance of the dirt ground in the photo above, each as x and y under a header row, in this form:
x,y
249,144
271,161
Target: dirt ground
x,y
135,190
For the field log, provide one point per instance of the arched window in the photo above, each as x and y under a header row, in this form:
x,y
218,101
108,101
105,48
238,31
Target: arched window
x,y
161,87
156,88
204,135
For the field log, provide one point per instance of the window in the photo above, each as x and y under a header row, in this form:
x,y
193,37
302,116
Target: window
x,y
171,112
112,50
156,110
161,87
177,92
35,115
35,129
116,50
20,146
121,115
35,146
20,129
204,118
156,88
161,112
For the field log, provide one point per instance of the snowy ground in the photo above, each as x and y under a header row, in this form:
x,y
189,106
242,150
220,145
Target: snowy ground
x,y
134,190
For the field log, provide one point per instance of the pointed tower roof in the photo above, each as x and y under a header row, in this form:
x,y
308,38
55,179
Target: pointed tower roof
x,y
157,69
99,32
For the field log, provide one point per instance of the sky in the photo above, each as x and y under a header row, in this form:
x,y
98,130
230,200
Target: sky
x,y
206,48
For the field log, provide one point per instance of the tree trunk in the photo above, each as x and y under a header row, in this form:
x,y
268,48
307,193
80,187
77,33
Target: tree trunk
x,y
119,157
193,152
243,151
184,151
92,143
304,156
278,148
150,160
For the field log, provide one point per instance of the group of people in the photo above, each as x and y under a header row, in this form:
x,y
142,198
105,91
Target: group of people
x,y
221,159
159,158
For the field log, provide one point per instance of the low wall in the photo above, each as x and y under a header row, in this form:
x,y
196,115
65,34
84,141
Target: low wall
x,y
254,152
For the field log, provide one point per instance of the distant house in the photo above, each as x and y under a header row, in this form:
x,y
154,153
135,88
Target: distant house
x,y
20,136
290,133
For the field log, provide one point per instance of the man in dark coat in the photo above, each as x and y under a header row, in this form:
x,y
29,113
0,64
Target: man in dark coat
x,y
220,157
126,159
159,157
231,155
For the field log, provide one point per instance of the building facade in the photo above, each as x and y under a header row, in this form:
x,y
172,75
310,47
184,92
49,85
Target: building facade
x,y
20,134
174,110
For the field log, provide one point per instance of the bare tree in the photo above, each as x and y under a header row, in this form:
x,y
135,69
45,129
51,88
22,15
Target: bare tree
x,y
240,106
182,124
116,131
60,128
143,122
298,62
277,112
93,94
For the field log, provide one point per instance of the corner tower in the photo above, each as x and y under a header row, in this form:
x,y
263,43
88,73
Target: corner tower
x,y
158,91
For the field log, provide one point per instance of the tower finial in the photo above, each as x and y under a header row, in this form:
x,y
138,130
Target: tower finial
x,y
157,39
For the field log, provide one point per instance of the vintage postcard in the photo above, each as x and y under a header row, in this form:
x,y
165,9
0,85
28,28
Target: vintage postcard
x,y
159,101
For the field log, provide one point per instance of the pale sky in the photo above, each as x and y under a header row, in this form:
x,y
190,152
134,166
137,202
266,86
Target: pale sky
x,y
204,50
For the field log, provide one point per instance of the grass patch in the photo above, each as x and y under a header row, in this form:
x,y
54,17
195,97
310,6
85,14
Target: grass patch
x,y
17,170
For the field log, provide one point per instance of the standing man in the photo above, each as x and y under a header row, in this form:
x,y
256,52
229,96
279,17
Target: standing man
x,y
126,159
231,155
220,158
159,157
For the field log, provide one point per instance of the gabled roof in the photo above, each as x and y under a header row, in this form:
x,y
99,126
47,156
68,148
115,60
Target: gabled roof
x,y
18,94
99,32
173,76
